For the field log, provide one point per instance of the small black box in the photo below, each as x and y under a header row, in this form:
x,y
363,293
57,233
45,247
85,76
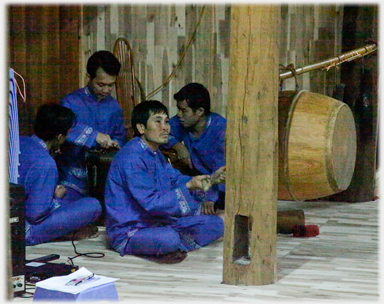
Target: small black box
x,y
17,230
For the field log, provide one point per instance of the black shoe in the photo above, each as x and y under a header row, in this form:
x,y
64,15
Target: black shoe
x,y
88,232
169,258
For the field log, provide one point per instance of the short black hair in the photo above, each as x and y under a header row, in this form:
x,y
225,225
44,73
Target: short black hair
x,y
196,96
142,111
53,119
104,59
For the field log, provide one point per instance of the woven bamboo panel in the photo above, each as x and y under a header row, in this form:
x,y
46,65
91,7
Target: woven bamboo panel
x,y
191,43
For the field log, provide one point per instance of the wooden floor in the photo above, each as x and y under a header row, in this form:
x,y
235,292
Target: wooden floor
x,y
340,264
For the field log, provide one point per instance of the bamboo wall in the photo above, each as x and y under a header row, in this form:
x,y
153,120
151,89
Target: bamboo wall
x,y
49,46
159,36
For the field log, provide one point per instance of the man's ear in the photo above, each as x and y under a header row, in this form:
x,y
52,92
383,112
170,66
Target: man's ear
x,y
141,128
58,141
59,137
88,77
200,111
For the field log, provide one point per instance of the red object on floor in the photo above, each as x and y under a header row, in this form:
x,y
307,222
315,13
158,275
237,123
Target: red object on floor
x,y
305,230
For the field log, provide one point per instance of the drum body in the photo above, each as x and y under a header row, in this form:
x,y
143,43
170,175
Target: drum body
x,y
317,146
98,163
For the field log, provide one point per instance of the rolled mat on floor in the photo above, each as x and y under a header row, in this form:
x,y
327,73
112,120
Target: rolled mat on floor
x,y
305,231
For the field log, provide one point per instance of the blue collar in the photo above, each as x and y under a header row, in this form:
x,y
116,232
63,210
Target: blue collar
x,y
40,141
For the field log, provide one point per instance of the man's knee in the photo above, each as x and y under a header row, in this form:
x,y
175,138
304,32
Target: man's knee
x,y
216,224
96,206
154,241
89,207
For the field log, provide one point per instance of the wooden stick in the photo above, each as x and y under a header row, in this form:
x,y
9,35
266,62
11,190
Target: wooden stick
x,y
327,64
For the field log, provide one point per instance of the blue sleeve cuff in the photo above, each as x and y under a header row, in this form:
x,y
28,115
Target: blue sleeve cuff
x,y
187,202
83,136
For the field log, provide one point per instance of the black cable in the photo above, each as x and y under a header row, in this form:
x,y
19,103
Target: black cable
x,y
95,255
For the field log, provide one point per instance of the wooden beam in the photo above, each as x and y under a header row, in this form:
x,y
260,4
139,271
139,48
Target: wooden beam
x,y
252,146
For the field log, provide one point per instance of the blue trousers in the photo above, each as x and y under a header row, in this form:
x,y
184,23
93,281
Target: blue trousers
x,y
187,234
71,215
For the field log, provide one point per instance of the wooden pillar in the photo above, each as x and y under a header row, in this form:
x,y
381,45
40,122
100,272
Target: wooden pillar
x,y
252,146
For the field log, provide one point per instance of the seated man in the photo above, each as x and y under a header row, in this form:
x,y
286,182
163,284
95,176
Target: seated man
x,y
99,120
150,208
48,213
198,137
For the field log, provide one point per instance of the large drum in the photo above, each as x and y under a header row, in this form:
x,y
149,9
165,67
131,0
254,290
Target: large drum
x,y
317,146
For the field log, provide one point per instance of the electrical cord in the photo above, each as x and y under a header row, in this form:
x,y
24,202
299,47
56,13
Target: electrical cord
x,y
27,295
95,255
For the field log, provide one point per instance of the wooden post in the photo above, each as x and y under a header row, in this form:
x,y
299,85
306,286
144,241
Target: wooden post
x,y
252,146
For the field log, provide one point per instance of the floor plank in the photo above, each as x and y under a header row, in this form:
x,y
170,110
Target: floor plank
x,y
341,263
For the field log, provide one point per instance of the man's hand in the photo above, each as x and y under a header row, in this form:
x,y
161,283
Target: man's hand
x,y
105,141
208,207
186,161
218,176
183,154
60,191
202,182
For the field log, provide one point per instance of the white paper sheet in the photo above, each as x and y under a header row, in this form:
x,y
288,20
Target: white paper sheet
x,y
58,283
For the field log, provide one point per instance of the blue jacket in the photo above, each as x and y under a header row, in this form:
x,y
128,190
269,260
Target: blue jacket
x,y
39,176
144,190
207,151
92,117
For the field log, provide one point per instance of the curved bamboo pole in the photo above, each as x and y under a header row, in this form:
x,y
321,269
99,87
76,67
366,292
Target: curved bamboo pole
x,y
327,64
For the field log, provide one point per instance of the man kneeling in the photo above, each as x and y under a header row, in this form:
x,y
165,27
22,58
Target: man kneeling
x,y
151,209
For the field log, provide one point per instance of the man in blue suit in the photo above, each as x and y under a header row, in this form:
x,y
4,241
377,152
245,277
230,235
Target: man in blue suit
x,y
49,212
151,208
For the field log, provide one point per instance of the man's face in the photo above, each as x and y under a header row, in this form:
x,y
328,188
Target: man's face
x,y
188,117
157,131
56,144
102,85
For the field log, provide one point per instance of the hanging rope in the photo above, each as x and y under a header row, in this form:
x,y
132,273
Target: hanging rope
x,y
181,58
291,68
23,95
